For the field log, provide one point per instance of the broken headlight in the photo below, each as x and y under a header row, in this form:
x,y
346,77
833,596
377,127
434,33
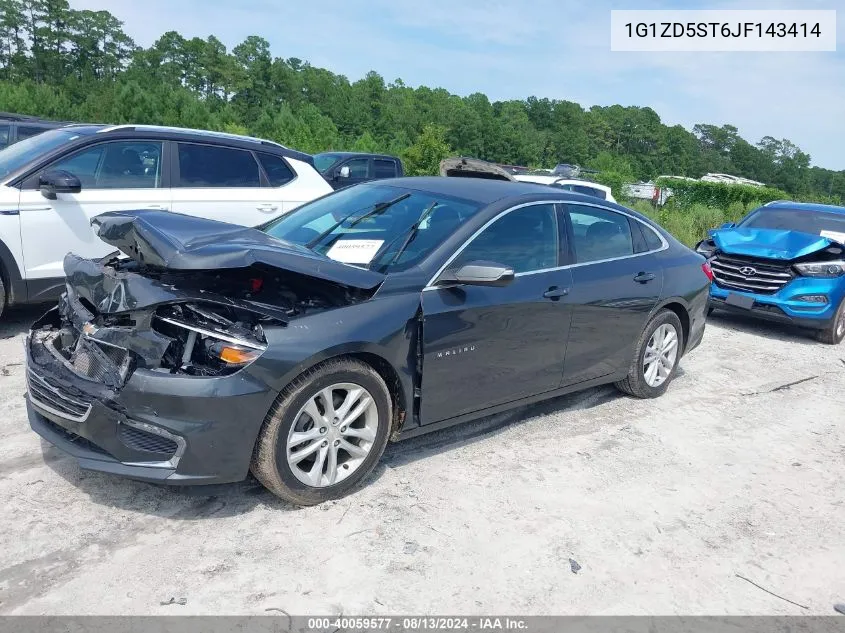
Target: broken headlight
x,y
209,340
835,268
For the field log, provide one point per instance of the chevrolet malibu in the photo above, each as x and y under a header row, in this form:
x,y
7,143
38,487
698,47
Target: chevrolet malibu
x,y
200,351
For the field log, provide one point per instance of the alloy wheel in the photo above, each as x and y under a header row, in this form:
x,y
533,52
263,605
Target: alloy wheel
x,y
332,434
661,353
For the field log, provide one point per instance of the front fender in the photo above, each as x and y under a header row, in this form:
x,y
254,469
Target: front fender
x,y
384,327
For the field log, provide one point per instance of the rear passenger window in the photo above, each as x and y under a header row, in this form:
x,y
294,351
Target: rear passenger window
x,y
599,234
4,135
277,170
384,168
652,239
212,166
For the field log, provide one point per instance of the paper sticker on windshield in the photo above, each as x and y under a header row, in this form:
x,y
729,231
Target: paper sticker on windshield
x,y
354,251
833,235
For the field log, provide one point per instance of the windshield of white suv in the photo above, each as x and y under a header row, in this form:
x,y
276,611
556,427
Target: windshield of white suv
x,y
813,222
376,226
17,156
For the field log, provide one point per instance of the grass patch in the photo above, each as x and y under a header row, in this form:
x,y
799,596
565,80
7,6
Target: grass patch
x,y
690,224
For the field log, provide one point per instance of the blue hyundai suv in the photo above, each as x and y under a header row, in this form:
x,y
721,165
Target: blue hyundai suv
x,y
783,262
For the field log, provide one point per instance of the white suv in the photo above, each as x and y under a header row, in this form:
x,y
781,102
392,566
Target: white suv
x,y
575,185
53,184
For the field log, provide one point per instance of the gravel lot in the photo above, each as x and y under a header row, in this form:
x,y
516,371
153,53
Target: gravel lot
x,y
590,504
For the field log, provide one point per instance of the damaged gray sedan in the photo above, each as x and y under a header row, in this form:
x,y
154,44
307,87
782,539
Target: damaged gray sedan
x,y
200,351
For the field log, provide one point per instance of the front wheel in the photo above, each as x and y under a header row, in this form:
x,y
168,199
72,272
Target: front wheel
x,y
325,433
655,357
834,333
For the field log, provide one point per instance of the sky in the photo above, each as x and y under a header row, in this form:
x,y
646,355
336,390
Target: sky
x,y
558,49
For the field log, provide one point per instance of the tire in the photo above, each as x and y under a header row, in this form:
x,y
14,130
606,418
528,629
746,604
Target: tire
x,y
710,309
834,333
636,383
282,475
3,297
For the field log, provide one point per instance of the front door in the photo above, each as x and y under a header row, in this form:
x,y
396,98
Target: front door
x,y
614,289
484,346
115,176
352,171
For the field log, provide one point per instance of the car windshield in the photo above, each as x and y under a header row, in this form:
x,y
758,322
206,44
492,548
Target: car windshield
x,y
380,227
324,161
17,156
830,225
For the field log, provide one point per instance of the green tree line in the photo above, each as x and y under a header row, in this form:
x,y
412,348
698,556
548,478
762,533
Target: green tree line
x,y
80,65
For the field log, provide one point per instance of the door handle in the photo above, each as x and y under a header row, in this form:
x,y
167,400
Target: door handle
x,y
554,293
643,277
267,208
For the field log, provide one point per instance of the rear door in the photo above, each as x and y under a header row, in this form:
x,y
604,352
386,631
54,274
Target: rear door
x,y
115,175
484,346
385,168
616,282
227,184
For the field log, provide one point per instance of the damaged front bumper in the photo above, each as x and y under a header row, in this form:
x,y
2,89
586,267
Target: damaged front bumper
x,y
155,426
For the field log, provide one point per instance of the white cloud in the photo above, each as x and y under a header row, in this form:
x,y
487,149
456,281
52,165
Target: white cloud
x,y
557,49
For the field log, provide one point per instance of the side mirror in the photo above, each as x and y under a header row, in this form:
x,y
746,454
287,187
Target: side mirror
x,y
343,172
479,274
728,225
54,182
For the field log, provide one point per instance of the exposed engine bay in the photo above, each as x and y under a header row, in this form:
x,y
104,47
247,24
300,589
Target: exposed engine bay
x,y
118,315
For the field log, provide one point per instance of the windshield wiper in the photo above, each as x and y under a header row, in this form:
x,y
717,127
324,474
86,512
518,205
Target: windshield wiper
x,y
380,207
409,236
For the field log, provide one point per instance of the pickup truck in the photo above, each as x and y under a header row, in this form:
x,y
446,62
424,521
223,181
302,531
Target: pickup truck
x,y
17,127
341,169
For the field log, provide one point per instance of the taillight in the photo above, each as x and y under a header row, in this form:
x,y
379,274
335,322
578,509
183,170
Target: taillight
x,y
707,270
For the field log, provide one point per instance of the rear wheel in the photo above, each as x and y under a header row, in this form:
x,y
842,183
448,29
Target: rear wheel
x,y
655,357
834,333
3,298
325,433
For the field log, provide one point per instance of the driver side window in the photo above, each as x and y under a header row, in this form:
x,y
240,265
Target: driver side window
x,y
526,240
117,165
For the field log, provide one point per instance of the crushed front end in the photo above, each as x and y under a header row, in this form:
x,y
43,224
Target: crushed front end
x,y
803,285
152,374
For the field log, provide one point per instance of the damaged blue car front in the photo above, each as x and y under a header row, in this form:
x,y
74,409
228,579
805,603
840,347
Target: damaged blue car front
x,y
784,261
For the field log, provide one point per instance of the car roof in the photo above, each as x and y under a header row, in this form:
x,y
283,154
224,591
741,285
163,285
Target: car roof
x,y
480,190
805,206
188,134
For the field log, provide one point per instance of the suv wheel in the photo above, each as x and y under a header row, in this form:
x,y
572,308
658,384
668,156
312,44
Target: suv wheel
x,y
2,293
325,433
656,357
834,333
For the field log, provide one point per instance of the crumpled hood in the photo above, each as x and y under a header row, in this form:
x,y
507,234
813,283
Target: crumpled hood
x,y
183,242
472,168
768,243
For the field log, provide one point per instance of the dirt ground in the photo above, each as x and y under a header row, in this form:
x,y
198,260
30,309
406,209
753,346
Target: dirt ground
x,y
590,504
